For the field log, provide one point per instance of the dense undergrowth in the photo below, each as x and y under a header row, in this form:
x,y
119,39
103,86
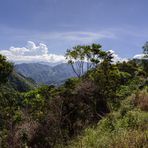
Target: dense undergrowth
x,y
96,104
127,127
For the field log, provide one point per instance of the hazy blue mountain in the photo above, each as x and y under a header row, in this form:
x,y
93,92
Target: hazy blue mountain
x,y
39,72
46,74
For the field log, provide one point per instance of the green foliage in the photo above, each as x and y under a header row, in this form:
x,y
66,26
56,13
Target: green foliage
x,y
11,114
35,102
132,86
145,49
45,74
72,83
144,63
130,67
86,57
20,83
5,69
117,130
33,118
12,80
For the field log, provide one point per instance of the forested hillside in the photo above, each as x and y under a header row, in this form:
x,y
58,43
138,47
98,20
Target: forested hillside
x,y
20,83
107,106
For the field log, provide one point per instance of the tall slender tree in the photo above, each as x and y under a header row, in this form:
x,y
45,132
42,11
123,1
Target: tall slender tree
x,y
83,58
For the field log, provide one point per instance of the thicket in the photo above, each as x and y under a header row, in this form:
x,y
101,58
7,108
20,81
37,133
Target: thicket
x,y
52,116
124,128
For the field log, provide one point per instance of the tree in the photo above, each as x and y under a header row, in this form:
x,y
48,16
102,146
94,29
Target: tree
x,y
145,49
83,58
10,115
145,59
5,69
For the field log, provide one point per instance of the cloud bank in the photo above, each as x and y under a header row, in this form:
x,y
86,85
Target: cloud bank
x,y
31,53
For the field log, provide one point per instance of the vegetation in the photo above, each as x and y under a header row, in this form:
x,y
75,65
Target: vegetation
x,y
105,106
83,58
5,69
46,74
145,49
127,127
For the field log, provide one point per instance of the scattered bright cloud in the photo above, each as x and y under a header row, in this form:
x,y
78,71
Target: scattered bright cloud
x,y
140,56
31,53
116,57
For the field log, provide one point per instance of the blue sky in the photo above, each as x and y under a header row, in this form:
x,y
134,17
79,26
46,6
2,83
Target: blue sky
x,y
120,25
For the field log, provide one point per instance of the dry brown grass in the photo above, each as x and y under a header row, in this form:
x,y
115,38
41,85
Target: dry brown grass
x,y
130,139
25,132
141,100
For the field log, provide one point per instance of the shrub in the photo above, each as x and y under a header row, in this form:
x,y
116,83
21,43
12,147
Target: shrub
x,y
141,100
116,131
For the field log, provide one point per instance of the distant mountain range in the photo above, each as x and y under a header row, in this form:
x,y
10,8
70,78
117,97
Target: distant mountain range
x,y
46,74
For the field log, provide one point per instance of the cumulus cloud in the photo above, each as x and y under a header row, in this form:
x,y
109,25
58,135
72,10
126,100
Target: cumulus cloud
x,y
31,53
116,57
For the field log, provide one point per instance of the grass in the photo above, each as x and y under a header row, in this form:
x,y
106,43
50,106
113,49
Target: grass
x,y
125,128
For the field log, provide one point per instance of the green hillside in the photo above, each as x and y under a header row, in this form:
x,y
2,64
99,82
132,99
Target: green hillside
x,y
126,127
106,107
20,83
45,74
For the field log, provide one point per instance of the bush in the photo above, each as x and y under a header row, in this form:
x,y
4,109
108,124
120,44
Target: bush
x,y
116,132
141,100
126,127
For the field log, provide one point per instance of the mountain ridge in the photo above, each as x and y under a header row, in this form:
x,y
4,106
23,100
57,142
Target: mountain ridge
x,y
46,74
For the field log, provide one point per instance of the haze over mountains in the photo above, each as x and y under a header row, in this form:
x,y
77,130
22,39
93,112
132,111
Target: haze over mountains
x,y
46,74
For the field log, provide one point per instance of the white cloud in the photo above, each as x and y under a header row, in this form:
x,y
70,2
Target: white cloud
x,y
31,53
140,56
117,58
84,37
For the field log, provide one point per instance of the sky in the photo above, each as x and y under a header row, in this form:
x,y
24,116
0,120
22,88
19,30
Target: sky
x,y
42,30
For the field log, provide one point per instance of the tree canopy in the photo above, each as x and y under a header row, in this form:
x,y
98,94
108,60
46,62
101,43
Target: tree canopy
x,y
5,68
51,116
83,58
145,49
